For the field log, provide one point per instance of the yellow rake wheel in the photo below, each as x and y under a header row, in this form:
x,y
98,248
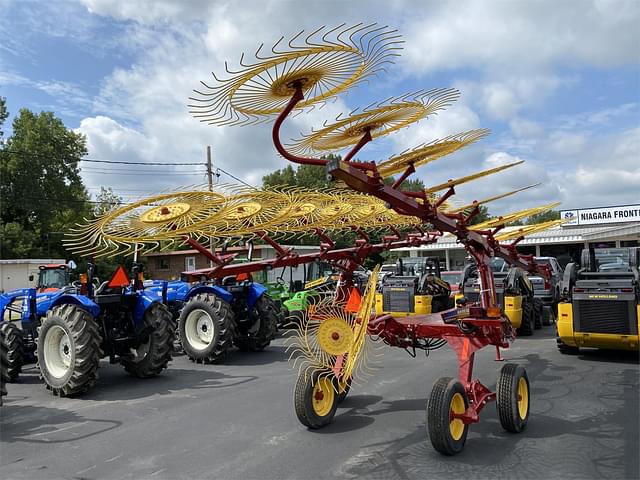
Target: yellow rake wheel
x,y
323,63
382,119
147,223
429,152
335,336
246,214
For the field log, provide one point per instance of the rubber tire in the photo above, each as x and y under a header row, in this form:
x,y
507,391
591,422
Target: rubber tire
x,y
507,398
159,318
527,327
548,317
303,402
267,319
222,315
85,337
438,409
12,340
566,349
538,311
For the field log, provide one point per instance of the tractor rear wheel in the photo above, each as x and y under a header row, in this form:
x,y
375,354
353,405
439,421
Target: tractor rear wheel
x,y
12,341
69,350
264,328
446,432
205,328
315,399
153,355
528,319
512,398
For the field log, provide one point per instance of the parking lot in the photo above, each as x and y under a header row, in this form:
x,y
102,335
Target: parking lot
x,y
236,421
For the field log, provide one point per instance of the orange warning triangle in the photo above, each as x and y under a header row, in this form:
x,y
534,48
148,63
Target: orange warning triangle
x,y
120,278
353,304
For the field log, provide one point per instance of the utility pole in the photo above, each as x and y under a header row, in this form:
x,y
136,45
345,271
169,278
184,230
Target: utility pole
x,y
212,246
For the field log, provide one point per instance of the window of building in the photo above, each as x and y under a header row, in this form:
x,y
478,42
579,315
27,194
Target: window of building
x,y
163,264
189,264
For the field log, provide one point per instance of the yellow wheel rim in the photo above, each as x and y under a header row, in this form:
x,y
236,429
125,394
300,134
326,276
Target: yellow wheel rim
x,y
243,210
335,336
165,212
323,397
523,398
456,425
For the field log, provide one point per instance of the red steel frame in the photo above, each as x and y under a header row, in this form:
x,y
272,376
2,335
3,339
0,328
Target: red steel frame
x,y
467,335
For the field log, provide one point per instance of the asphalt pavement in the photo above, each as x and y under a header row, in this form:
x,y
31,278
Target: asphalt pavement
x,y
236,421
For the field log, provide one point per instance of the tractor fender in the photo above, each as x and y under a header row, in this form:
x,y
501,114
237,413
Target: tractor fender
x,y
218,291
144,301
254,292
79,300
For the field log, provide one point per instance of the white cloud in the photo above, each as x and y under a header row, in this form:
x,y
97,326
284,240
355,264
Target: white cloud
x,y
522,35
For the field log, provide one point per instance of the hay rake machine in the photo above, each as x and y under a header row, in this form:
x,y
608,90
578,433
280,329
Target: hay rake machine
x,y
331,341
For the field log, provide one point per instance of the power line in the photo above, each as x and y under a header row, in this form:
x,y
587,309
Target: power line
x,y
97,160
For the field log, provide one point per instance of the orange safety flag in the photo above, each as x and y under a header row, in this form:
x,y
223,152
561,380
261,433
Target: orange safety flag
x,y
353,304
120,278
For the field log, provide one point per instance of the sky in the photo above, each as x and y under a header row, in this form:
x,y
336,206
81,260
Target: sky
x,y
558,84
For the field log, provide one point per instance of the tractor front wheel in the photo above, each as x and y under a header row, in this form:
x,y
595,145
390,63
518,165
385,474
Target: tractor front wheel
x,y
69,350
315,399
205,328
512,398
153,355
11,337
264,328
446,432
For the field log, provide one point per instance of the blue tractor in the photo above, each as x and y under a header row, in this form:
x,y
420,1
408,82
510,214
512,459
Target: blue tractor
x,y
213,316
71,329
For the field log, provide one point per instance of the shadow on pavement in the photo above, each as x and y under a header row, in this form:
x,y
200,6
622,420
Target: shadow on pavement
x,y
46,425
271,354
611,449
115,384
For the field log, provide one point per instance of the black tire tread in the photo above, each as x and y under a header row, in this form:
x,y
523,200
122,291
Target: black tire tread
x,y
566,349
87,339
158,317
218,351
268,317
506,390
538,311
12,341
526,328
303,408
438,416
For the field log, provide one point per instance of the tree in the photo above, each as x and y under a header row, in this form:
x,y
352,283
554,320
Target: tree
x,y
308,176
106,200
543,217
3,115
483,216
41,191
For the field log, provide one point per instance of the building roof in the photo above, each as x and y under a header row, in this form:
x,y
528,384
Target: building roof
x,y
553,235
31,261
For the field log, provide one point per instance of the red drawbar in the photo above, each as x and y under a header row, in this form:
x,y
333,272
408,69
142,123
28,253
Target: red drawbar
x,y
120,278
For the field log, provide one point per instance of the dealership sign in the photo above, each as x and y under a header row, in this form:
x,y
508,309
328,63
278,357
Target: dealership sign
x,y
601,215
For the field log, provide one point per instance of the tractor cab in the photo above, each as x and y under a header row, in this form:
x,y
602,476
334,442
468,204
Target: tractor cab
x,y
416,287
54,276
